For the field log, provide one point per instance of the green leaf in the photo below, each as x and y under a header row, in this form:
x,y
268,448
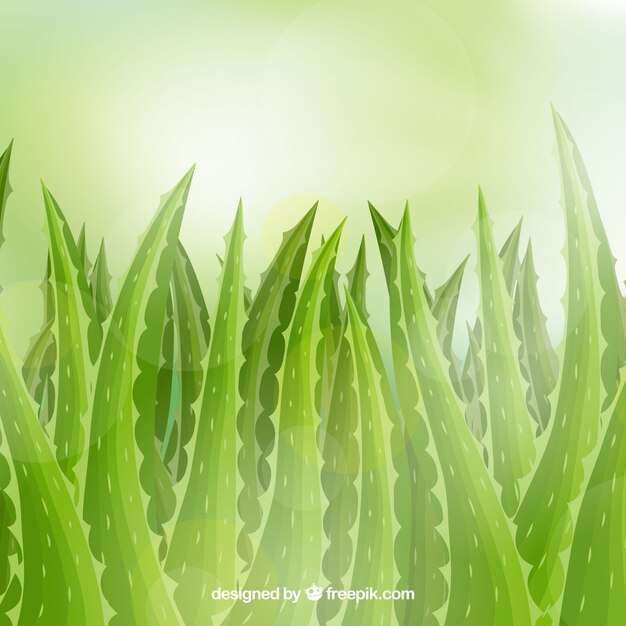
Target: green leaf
x,y
40,361
544,519
512,438
101,286
538,360
263,346
5,187
188,325
373,564
113,502
10,550
473,384
487,586
509,253
340,454
76,331
444,307
472,388
60,582
203,549
290,550
357,278
81,244
340,468
596,574
420,550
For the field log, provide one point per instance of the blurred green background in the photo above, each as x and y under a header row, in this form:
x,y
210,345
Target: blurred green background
x,y
286,102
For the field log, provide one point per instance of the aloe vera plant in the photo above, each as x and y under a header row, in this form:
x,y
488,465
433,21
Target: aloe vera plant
x,y
51,528
290,549
203,550
596,573
473,373
81,244
509,254
513,450
133,581
5,187
419,549
40,360
374,555
538,360
444,307
487,586
544,520
76,332
263,347
186,337
340,455
473,385
10,550
100,285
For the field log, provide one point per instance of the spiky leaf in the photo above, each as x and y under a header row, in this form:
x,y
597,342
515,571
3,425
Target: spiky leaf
x,y
290,549
78,335
512,438
373,564
487,586
538,360
263,348
5,187
113,504
420,550
101,286
60,582
544,520
203,550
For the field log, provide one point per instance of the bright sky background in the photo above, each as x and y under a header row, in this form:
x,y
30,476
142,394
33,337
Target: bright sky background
x,y
287,102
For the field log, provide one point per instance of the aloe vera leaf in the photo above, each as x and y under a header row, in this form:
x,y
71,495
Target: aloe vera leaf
x,y
580,196
544,520
10,550
40,360
5,187
538,360
338,473
132,581
37,370
327,351
473,384
472,389
373,565
509,254
340,455
487,586
76,329
203,549
357,279
101,286
419,548
191,330
158,354
52,537
263,346
184,344
384,236
444,307
290,548
512,437
596,573
81,244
